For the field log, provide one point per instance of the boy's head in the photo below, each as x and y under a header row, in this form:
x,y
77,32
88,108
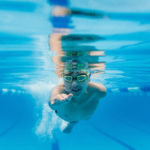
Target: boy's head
x,y
76,77
76,82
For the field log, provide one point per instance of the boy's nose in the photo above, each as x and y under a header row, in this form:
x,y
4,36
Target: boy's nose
x,y
74,83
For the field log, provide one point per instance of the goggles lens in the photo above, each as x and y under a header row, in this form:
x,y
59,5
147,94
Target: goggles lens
x,y
81,78
68,78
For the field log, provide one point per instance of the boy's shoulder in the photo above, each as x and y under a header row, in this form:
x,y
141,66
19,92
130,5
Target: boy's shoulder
x,y
97,87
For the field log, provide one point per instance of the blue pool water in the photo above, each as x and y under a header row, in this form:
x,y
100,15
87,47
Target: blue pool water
x,y
27,74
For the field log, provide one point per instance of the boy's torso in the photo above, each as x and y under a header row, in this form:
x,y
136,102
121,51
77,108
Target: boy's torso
x,y
81,109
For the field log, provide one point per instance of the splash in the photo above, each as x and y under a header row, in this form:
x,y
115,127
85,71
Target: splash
x,y
49,124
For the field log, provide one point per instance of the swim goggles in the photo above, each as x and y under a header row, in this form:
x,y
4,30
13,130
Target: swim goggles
x,y
80,78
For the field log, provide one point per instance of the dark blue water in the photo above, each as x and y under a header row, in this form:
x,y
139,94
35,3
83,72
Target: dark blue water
x,y
27,74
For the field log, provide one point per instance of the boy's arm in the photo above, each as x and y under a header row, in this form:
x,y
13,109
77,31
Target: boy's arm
x,y
58,97
101,90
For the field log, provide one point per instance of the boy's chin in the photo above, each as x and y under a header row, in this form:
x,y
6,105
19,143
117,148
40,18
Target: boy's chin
x,y
77,94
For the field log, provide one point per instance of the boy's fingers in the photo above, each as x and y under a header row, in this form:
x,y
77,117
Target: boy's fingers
x,y
60,97
64,97
70,95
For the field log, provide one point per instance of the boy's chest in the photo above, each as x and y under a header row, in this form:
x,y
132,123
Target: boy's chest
x,y
76,111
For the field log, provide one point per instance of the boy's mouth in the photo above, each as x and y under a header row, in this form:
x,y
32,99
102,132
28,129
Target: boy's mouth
x,y
75,90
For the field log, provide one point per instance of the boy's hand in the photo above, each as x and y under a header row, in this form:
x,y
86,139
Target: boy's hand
x,y
62,98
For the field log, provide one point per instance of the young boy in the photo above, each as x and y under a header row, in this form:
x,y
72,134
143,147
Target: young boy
x,y
77,98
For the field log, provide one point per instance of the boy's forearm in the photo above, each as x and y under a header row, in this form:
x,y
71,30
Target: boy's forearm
x,y
54,103
58,97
